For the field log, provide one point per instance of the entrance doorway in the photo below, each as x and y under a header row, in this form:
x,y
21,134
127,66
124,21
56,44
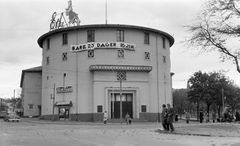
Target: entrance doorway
x,y
127,105
63,112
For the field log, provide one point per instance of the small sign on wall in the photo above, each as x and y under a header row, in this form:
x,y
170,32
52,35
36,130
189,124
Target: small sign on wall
x,y
66,89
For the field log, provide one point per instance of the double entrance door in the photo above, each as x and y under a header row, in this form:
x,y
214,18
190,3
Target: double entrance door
x,y
127,105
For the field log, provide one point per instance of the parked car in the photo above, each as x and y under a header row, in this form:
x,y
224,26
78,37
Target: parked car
x,y
3,114
12,117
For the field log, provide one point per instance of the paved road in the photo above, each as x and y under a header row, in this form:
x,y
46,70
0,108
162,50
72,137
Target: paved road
x,y
96,134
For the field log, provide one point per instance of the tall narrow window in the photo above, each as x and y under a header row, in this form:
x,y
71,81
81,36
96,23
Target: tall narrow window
x,y
91,36
146,38
48,43
47,60
120,35
121,53
164,59
164,42
64,56
64,38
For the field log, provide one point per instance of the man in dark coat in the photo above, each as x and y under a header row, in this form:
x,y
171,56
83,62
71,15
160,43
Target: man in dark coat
x,y
170,113
201,116
164,118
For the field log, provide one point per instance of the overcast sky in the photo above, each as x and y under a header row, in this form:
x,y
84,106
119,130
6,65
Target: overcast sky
x,y
24,21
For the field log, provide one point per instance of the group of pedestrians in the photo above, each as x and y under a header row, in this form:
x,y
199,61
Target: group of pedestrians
x,y
167,118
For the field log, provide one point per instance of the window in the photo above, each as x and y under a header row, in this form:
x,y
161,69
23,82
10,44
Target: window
x,y
120,35
64,56
146,38
48,44
91,36
164,59
121,76
90,53
147,55
30,106
47,60
64,38
99,109
164,42
121,53
144,108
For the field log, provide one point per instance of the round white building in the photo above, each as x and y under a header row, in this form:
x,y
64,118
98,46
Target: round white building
x,y
121,69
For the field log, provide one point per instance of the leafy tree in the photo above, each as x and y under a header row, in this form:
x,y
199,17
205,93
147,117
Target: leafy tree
x,y
233,97
196,86
207,88
180,101
217,28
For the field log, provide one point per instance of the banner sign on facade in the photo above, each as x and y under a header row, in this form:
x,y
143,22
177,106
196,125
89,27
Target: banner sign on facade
x,y
99,45
66,89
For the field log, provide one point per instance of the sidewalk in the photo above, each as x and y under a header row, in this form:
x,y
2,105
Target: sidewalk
x,y
207,129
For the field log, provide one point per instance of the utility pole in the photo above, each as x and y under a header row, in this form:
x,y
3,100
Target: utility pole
x,y
14,93
223,99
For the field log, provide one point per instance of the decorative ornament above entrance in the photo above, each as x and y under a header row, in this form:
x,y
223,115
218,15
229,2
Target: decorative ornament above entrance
x,y
58,19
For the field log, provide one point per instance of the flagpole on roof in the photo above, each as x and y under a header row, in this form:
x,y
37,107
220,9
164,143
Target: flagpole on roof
x,y
106,10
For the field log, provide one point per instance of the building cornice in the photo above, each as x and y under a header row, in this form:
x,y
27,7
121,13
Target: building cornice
x,y
132,68
118,26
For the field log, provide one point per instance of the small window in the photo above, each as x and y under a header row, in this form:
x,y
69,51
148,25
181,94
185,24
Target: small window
x,y
99,109
164,59
144,108
91,36
164,42
121,76
30,106
48,60
121,53
147,55
120,35
146,38
64,56
48,44
90,53
65,38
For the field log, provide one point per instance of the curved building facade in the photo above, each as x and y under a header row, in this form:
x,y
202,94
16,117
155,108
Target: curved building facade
x,y
121,69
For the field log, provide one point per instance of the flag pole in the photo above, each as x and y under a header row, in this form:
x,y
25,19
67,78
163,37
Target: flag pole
x,y
106,11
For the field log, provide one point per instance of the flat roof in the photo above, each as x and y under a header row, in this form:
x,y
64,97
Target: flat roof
x,y
34,69
44,36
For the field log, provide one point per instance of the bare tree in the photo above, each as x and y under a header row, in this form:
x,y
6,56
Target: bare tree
x,y
218,29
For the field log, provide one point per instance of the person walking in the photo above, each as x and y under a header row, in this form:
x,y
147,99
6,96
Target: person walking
x,y
214,116
164,117
201,116
105,117
127,118
170,116
187,117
